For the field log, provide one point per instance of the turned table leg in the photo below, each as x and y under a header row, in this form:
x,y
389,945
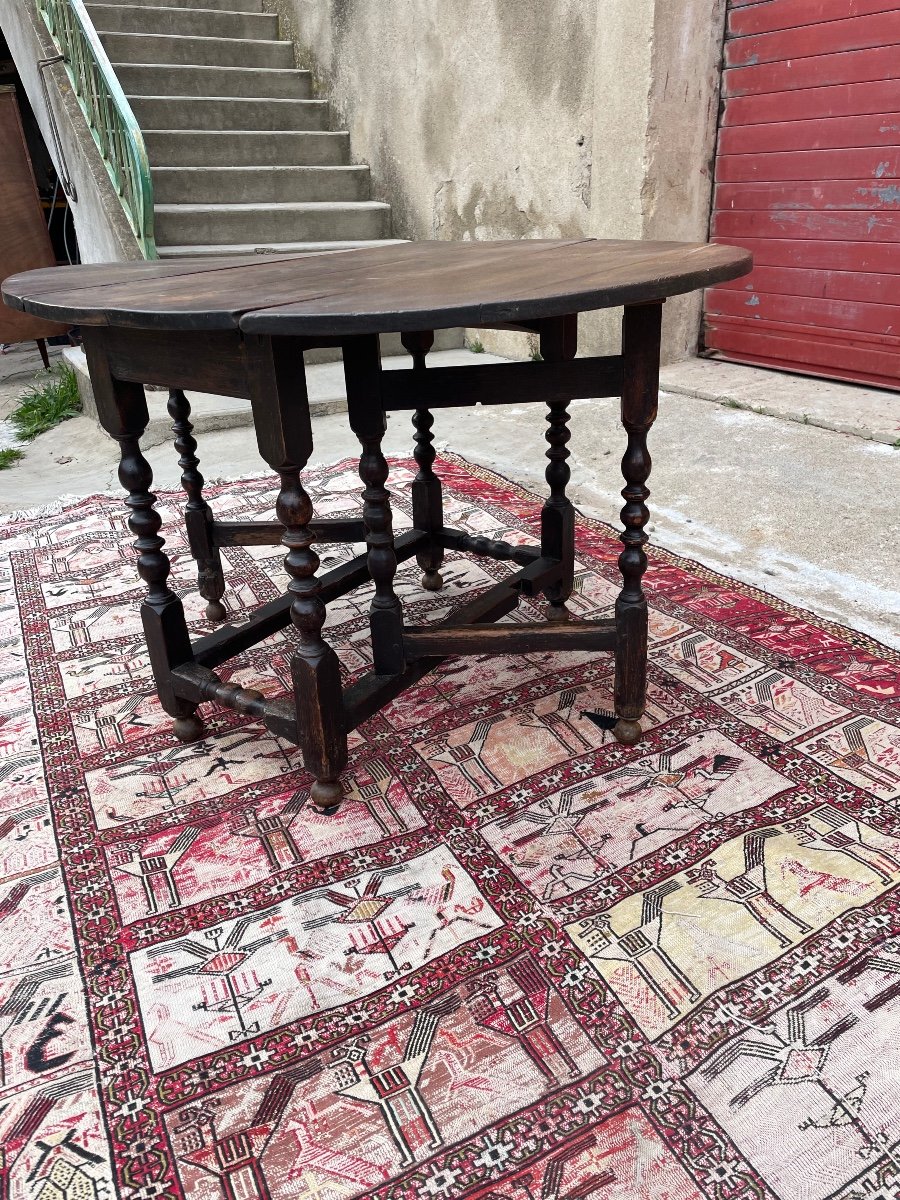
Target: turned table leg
x,y
559,342
640,351
122,409
427,500
198,516
362,371
284,435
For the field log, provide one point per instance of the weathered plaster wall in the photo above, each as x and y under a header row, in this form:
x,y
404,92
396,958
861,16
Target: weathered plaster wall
x,y
681,137
527,118
656,96
104,234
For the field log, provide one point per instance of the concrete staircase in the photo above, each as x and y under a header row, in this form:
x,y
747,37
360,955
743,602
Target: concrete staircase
x,y
242,159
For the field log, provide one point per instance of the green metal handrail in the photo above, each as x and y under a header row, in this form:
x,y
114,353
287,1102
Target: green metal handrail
x,y
107,112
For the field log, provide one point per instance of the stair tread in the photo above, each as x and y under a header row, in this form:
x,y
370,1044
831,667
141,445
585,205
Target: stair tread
x,y
189,37
270,206
222,250
262,167
144,8
231,100
324,133
157,66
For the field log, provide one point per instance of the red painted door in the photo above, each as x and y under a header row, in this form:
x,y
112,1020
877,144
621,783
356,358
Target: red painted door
x,y
808,178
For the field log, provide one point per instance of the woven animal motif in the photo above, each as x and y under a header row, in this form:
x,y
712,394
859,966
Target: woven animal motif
x,y
520,962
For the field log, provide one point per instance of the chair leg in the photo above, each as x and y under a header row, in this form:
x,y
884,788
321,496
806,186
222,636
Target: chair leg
x,y
640,350
45,357
198,517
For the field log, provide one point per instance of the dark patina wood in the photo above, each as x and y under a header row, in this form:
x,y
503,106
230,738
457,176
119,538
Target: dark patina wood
x,y
559,342
427,498
522,638
241,327
385,289
641,327
198,518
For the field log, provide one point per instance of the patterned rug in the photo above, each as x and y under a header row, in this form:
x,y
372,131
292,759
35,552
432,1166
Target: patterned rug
x,y
522,962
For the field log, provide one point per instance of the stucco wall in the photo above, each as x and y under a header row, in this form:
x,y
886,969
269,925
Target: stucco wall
x,y
527,118
104,234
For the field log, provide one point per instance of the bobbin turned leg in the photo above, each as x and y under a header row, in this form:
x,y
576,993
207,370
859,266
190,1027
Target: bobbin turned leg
x,y
427,501
362,371
284,434
198,518
640,350
559,342
122,409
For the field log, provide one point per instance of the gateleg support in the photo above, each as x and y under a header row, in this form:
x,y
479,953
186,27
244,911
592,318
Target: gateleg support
x,y
427,497
559,343
362,372
641,332
198,517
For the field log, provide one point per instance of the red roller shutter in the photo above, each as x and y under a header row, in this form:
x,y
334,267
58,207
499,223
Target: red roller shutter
x,y
808,178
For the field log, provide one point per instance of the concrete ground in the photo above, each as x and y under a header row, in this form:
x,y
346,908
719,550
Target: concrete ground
x,y
18,368
866,412
804,512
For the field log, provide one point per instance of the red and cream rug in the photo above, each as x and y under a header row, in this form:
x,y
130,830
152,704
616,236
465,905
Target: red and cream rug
x,y
522,962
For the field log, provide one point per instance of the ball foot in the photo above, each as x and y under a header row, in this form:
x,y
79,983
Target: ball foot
x,y
326,793
432,581
557,614
216,611
627,732
189,729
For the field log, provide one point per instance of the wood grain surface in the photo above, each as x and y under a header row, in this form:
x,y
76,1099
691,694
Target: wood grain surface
x,y
410,286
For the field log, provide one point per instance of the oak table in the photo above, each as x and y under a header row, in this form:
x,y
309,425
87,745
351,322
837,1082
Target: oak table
x,y
239,327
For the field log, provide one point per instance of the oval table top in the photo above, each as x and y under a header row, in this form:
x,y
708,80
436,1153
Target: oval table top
x,y
377,289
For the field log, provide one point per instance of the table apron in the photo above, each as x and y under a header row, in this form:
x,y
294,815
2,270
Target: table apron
x,y
502,383
217,362
213,362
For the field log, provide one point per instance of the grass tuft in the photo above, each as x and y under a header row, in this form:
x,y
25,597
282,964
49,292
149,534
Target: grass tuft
x,y
8,457
476,347
52,399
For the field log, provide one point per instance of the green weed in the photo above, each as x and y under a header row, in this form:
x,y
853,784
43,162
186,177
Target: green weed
x,y
8,457
51,399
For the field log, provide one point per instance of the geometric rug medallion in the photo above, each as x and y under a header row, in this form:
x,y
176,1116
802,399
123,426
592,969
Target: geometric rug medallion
x,y
521,962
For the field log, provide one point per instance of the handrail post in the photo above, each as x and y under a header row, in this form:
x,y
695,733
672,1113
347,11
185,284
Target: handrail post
x,y
109,116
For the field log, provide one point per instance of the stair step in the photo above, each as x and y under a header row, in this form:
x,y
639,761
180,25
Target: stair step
x,y
196,51
220,250
267,185
200,224
189,22
247,6
191,112
141,79
245,148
